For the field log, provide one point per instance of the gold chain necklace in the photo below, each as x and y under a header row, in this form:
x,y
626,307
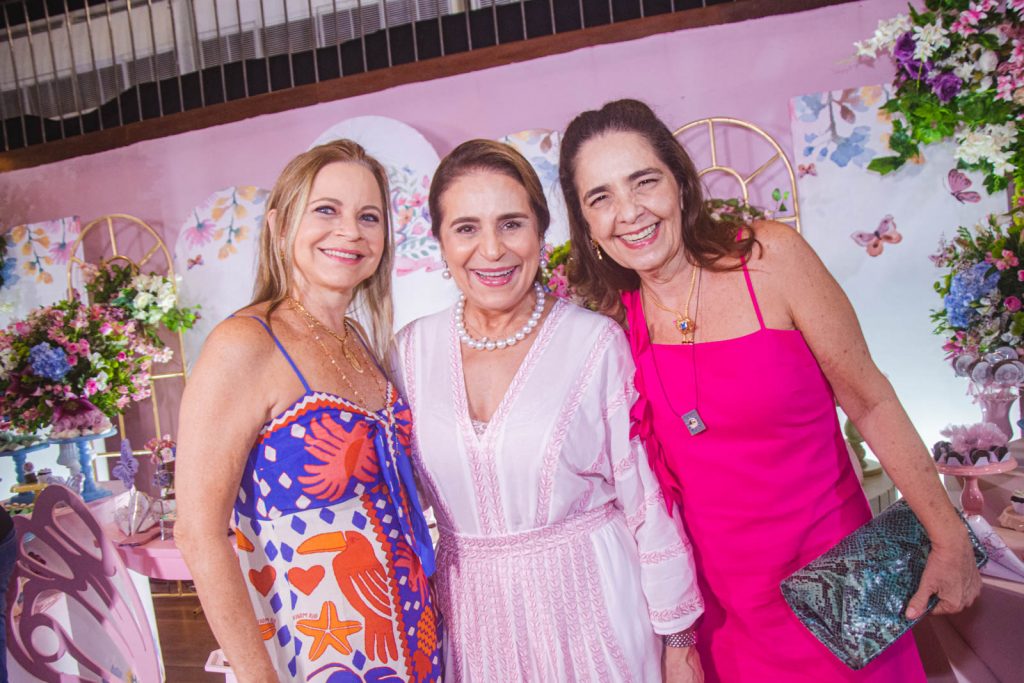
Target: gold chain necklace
x,y
360,399
683,322
312,321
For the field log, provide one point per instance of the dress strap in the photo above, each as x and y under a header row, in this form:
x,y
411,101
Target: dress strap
x,y
750,285
280,346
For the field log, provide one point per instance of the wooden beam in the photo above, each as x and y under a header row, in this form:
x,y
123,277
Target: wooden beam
x,y
382,79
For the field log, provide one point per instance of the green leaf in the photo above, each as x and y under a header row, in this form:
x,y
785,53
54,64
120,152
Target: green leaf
x,y
886,165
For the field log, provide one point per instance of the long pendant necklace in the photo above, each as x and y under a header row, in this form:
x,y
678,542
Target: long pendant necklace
x,y
312,321
692,420
313,324
683,322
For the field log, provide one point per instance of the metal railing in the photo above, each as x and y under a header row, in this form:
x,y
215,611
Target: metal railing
x,y
71,67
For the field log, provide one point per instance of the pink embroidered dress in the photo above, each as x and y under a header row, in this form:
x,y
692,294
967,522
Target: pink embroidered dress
x,y
557,560
766,488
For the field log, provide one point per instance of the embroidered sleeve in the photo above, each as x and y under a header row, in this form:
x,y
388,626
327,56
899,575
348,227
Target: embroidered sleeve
x,y
667,569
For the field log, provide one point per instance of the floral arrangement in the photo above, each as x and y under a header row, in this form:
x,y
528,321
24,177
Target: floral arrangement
x,y
982,289
959,74
162,452
737,211
553,270
73,366
149,299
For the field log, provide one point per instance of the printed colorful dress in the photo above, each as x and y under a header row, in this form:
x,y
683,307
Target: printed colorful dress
x,y
333,544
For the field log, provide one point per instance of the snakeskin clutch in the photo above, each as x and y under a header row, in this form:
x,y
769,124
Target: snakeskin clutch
x,y
853,597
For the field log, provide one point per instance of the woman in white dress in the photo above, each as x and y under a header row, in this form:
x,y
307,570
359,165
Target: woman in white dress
x,y
557,560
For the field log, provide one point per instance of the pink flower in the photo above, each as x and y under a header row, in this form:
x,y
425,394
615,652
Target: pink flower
x,y
1020,275
122,356
91,386
200,233
1012,304
106,328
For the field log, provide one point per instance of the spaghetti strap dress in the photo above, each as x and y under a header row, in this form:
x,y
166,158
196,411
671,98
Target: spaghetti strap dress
x,y
767,487
333,544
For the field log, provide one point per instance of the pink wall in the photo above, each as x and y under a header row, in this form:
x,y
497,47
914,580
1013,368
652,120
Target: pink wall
x,y
748,70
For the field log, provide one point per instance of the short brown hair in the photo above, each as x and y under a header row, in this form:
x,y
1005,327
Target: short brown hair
x,y
487,155
289,198
706,241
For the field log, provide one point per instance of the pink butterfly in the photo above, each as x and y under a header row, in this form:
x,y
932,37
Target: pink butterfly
x,y
958,184
806,169
875,241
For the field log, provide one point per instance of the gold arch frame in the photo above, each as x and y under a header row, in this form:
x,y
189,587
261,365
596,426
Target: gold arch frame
x,y
744,181
130,223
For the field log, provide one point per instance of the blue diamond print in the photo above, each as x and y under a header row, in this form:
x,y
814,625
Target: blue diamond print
x,y
295,599
358,660
256,527
275,603
298,646
298,524
293,667
284,635
327,515
286,552
359,520
271,550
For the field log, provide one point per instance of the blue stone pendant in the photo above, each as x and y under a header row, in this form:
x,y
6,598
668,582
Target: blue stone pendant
x,y
693,423
686,328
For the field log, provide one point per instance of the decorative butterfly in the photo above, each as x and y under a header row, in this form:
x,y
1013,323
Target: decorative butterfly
x,y
806,169
875,241
195,261
958,184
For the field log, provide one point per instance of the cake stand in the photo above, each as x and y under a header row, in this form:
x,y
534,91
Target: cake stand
x,y
971,499
19,455
83,463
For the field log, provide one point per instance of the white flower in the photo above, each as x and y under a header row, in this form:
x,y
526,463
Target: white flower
x,y
885,36
142,300
963,70
6,363
928,39
865,48
985,83
988,61
163,355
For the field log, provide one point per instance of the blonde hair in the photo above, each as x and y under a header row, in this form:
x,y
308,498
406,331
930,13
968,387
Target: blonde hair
x,y
288,200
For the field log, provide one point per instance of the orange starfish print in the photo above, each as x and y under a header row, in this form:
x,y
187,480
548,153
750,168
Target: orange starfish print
x,y
327,630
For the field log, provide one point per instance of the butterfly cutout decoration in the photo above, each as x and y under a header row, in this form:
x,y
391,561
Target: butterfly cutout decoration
x,y
958,184
63,551
195,261
806,169
875,241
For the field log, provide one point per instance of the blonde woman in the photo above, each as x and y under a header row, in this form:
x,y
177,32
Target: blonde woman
x,y
290,429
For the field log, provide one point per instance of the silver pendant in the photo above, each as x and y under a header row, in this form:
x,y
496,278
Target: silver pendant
x,y
693,423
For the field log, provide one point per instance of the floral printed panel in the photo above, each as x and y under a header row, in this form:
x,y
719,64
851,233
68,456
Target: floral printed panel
x,y
35,267
410,161
215,255
541,148
875,234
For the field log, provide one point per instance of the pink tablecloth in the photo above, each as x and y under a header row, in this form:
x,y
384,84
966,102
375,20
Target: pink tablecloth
x,y
983,644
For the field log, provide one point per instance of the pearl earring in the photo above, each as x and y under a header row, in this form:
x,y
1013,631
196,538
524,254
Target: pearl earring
x,y
446,274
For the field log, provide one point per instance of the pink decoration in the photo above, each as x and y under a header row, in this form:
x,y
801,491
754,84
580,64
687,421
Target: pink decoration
x,y
82,564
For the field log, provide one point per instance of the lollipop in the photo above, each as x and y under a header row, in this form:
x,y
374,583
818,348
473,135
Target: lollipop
x,y
981,372
962,364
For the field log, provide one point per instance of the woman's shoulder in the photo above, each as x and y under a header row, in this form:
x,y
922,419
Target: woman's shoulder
x,y
586,323
777,242
240,340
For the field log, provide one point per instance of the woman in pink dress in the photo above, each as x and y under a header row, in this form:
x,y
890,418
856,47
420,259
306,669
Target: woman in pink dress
x,y
740,338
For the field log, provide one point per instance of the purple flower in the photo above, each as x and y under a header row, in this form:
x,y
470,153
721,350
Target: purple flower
x,y
903,50
946,86
48,362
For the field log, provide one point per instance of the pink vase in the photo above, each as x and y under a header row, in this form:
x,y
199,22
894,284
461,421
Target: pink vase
x,y
996,409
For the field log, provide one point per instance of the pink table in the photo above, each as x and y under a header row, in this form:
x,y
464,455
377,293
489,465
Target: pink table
x,y
157,559
984,643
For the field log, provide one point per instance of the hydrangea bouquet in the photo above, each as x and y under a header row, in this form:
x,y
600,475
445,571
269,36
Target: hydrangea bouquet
x,y
959,74
982,289
72,366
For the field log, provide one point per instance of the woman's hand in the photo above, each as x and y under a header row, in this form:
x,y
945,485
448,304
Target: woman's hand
x,y
951,574
681,665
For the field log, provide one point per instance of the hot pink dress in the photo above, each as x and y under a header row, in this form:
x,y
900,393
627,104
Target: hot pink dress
x,y
766,488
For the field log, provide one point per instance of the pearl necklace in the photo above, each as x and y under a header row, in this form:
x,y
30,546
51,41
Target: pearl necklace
x,y
486,344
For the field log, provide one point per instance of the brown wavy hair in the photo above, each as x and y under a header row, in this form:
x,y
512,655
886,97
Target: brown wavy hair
x,y
289,197
706,241
487,155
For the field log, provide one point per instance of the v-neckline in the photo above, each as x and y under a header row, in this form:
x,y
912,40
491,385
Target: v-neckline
x,y
544,332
